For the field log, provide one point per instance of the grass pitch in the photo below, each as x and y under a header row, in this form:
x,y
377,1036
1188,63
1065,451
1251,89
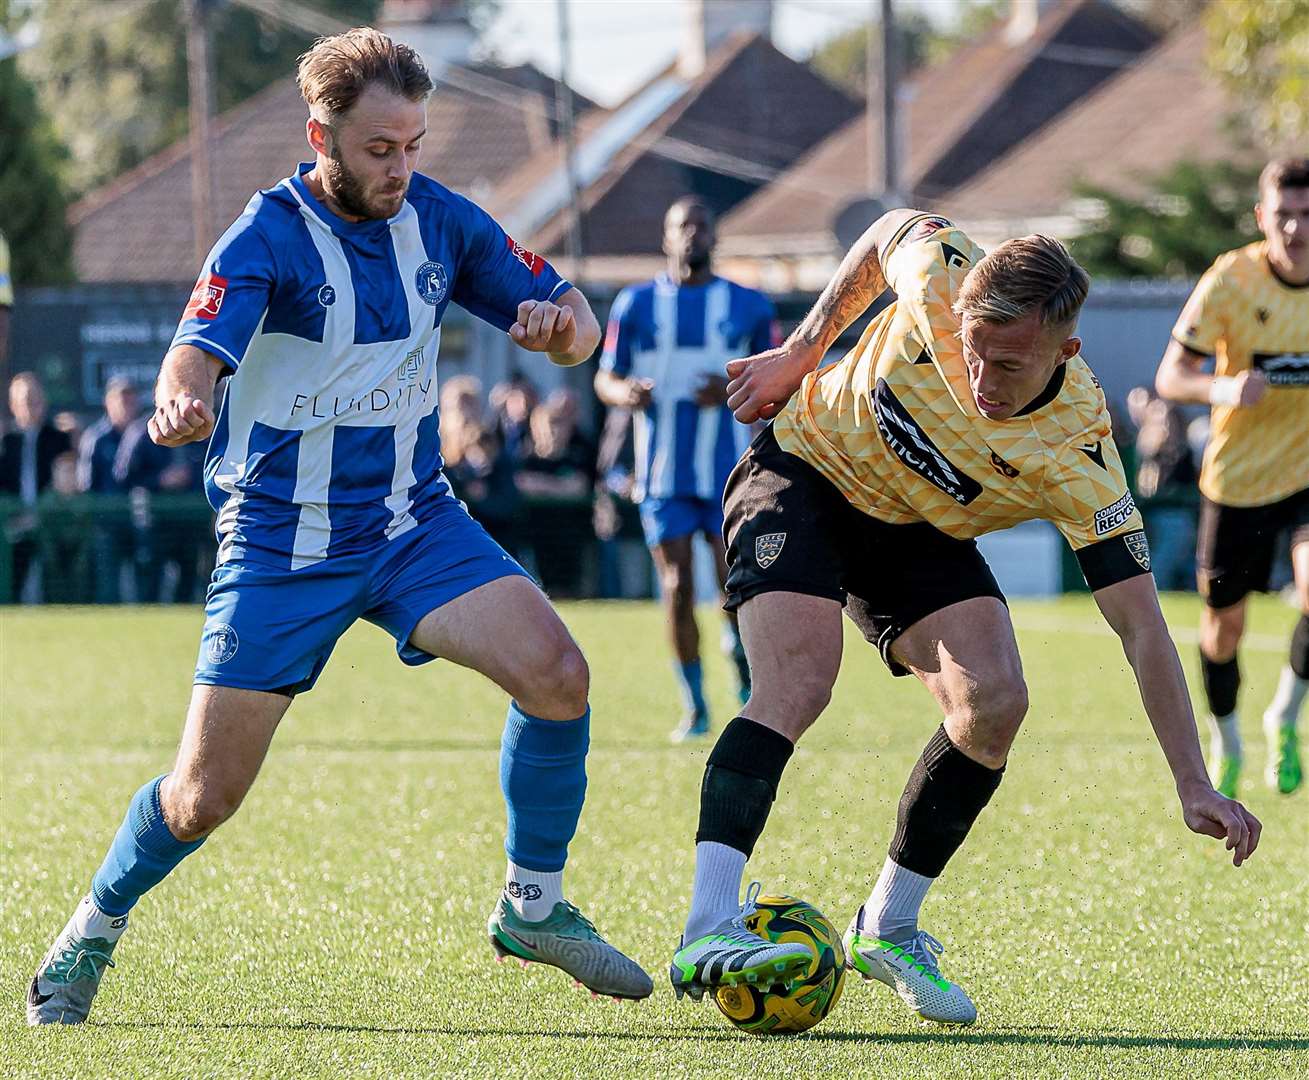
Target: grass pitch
x,y
336,927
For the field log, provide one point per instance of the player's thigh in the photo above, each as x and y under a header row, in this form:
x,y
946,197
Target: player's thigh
x,y
508,631
967,657
227,734
793,643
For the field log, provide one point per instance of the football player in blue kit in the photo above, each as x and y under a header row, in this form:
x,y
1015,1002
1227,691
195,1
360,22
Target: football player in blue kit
x,y
323,304
666,350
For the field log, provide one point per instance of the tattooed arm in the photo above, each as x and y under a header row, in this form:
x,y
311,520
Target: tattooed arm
x,y
760,385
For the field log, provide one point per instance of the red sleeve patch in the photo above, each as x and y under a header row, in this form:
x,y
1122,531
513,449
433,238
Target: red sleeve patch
x,y
206,298
529,259
924,228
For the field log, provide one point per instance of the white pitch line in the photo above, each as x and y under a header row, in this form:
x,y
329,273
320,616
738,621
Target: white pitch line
x,y
1182,635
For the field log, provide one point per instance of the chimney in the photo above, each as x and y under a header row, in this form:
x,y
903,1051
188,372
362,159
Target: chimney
x,y
438,30
710,22
1024,18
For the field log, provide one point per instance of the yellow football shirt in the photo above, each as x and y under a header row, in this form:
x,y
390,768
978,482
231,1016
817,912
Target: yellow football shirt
x,y
895,428
1245,317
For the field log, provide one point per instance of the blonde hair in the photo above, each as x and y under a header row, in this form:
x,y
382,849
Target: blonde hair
x,y
336,69
1031,273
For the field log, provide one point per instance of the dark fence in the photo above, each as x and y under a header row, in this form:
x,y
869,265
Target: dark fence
x,y
150,548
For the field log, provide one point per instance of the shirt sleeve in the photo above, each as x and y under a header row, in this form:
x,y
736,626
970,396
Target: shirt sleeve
x,y
231,294
1203,321
926,247
767,333
497,273
1087,499
617,355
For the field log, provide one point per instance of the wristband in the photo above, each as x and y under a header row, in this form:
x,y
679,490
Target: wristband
x,y
1224,391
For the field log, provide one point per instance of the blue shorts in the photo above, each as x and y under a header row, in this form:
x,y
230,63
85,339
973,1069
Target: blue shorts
x,y
669,519
273,629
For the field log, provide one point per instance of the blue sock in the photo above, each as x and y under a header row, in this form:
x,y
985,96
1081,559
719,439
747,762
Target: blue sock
x,y
691,679
543,777
141,856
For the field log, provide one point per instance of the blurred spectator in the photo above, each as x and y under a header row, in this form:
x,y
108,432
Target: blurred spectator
x,y
164,535
624,569
112,534
559,472
560,463
27,457
28,452
512,401
479,470
99,443
1166,483
63,475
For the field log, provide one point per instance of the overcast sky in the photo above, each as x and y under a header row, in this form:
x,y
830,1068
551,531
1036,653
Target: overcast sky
x,y
618,45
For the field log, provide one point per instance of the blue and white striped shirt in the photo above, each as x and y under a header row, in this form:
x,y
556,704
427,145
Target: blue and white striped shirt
x,y
327,440
677,335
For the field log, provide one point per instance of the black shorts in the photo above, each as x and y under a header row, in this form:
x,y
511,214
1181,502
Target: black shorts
x,y
789,529
1235,545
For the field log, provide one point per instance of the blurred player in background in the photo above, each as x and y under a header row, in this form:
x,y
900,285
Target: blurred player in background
x,y
667,345
323,303
964,408
1249,315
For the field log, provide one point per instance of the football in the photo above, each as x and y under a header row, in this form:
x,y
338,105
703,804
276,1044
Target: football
x,y
778,1011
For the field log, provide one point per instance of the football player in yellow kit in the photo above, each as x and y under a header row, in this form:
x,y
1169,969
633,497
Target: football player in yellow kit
x,y
1249,314
964,408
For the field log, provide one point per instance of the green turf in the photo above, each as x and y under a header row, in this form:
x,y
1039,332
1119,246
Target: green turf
x,y
337,925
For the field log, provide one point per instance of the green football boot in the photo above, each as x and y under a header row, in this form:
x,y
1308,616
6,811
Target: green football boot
x,y
1225,771
912,969
568,940
732,955
1284,770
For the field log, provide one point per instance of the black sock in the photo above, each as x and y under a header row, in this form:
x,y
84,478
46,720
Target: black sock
x,y
1300,648
740,783
1222,679
945,793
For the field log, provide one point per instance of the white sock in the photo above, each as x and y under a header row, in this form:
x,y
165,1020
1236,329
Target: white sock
x,y
892,908
90,922
1225,735
716,893
532,893
1285,707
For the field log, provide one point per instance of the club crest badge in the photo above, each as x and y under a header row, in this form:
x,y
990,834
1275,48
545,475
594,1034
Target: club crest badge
x,y
1139,548
221,643
767,548
431,282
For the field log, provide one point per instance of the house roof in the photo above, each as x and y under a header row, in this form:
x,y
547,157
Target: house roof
x,y
960,114
1166,109
138,227
751,114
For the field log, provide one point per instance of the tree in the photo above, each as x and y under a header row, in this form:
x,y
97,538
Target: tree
x,y
31,191
1189,215
844,59
1261,50
113,76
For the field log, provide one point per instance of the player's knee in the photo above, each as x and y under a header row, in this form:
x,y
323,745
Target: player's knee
x,y
995,713
557,684
1221,633
809,695
194,809
679,587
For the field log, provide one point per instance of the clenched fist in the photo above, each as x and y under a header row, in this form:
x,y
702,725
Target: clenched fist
x,y
180,420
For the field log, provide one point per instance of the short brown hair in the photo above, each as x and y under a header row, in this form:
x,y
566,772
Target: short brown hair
x,y
1284,173
1031,273
335,70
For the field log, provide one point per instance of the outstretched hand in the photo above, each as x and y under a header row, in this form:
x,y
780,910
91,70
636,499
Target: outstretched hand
x,y
758,386
1210,814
